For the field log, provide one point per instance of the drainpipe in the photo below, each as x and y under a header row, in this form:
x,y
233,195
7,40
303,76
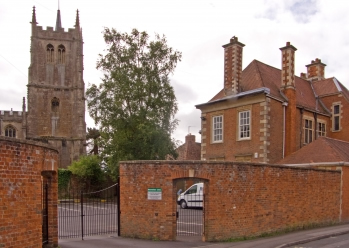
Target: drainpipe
x,y
284,104
315,128
301,127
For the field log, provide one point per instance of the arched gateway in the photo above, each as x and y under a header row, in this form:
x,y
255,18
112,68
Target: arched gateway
x,y
240,199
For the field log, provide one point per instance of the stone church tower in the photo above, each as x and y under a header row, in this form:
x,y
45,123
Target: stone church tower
x,y
56,102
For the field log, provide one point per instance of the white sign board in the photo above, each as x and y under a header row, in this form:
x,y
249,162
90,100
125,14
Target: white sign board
x,y
154,194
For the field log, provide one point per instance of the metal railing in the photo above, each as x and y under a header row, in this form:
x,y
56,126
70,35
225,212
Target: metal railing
x,y
45,213
190,216
83,214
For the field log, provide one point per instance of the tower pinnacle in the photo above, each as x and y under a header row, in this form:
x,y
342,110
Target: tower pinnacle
x,y
34,17
77,21
58,20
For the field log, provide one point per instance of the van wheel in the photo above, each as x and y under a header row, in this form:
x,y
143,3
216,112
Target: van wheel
x,y
183,204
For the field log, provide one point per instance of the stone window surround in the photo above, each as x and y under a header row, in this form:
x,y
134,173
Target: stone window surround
x,y
339,115
10,131
50,54
309,130
321,132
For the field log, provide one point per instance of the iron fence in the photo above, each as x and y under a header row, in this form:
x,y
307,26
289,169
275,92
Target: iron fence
x,y
45,213
190,216
83,214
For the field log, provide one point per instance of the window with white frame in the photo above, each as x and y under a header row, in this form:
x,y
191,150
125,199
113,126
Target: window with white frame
x,y
336,117
308,131
321,129
245,124
217,131
10,131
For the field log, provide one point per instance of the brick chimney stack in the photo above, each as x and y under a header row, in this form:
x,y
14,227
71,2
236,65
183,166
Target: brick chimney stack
x,y
287,70
232,66
316,70
192,150
190,138
288,86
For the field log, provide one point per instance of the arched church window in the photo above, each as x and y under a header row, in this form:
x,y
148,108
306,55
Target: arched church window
x,y
50,53
54,104
10,131
61,54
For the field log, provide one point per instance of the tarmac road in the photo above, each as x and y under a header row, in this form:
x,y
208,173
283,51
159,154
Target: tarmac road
x,y
282,241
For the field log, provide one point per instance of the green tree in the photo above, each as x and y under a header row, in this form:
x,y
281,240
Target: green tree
x,y
88,170
135,104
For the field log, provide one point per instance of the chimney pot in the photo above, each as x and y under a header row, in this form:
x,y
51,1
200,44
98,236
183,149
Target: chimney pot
x,y
316,70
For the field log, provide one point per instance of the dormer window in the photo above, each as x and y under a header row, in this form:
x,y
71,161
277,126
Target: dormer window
x,y
50,53
61,54
10,131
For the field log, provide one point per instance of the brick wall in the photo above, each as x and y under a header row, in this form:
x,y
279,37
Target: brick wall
x,y
275,148
240,199
24,167
345,186
345,193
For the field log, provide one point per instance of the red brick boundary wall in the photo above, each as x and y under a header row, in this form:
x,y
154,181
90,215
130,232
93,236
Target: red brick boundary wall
x,y
344,168
24,167
241,199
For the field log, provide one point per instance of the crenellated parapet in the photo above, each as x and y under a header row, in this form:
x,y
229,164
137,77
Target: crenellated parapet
x,y
61,34
9,114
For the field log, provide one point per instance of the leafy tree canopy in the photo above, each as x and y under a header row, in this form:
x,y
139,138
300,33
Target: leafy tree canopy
x,y
88,170
135,104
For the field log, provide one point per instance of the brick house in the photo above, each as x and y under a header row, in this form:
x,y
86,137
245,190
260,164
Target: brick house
x,y
264,114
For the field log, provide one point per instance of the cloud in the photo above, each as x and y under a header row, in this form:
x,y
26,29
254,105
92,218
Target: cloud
x,y
184,93
303,10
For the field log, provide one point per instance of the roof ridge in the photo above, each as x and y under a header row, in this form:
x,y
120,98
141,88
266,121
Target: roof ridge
x,y
277,68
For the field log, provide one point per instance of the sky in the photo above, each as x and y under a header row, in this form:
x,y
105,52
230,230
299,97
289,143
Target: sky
x,y
197,28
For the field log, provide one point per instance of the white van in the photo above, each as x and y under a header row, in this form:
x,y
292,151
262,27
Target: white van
x,y
192,197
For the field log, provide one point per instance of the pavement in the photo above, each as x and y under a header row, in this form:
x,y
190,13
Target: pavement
x,y
280,241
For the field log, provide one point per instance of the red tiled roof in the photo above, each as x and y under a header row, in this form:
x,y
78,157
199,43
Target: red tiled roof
x,y
325,87
257,75
330,86
332,150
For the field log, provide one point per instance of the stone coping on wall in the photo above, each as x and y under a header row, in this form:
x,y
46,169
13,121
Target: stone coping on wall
x,y
28,142
224,162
